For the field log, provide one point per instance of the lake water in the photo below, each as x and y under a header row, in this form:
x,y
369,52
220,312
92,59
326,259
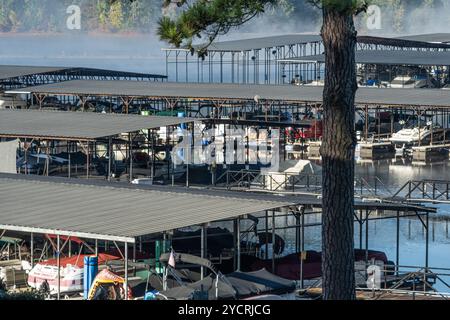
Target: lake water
x,y
143,54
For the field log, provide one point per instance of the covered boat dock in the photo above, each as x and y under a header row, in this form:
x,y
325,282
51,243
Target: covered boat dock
x,y
255,60
234,104
13,76
173,93
123,213
84,129
369,59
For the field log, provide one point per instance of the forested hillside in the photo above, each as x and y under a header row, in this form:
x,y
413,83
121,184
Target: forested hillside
x,y
142,15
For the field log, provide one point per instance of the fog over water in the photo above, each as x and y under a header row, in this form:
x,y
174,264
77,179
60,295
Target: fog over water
x,y
142,51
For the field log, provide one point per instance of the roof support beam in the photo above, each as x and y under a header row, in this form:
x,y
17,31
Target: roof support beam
x,y
67,233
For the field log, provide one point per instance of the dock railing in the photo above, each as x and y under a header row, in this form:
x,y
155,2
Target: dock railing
x,y
376,187
287,182
247,179
412,281
404,282
436,191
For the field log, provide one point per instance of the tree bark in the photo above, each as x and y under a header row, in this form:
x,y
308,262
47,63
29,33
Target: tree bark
x,y
338,150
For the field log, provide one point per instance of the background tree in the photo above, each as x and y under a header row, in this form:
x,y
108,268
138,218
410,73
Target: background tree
x,y
210,18
401,16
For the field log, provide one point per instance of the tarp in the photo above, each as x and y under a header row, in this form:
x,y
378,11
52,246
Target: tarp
x,y
108,277
8,152
259,282
235,285
207,284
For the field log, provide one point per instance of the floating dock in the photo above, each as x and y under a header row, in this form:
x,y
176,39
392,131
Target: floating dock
x,y
431,153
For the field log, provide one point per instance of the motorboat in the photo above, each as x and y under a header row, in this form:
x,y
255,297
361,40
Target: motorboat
x,y
291,172
34,163
406,138
162,171
71,273
410,136
288,267
12,102
407,82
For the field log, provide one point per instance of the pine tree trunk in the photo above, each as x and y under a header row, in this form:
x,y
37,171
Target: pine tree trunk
x,y
338,149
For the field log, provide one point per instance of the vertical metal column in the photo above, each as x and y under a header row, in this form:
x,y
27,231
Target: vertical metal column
x,y
397,253
273,241
302,246
87,161
367,236
203,247
266,253
69,159
187,71
126,270
360,230
32,250
238,243
58,265
109,157
427,241
130,150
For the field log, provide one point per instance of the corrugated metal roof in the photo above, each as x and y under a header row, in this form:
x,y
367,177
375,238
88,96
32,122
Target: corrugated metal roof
x,y
113,212
12,71
282,40
7,71
429,37
77,125
263,42
395,57
205,91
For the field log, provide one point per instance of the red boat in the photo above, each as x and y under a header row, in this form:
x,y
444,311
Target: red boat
x,y
314,132
289,267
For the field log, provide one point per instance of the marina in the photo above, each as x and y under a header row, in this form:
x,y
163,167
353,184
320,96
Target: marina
x,y
204,173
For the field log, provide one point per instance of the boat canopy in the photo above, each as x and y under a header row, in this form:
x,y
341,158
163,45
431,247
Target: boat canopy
x,y
10,240
189,259
78,260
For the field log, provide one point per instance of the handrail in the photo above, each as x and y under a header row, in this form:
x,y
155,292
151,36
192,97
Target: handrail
x,y
430,190
419,276
290,182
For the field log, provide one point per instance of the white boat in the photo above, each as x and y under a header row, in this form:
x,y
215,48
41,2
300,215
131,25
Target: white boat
x,y
12,102
406,82
410,136
315,83
71,273
292,171
71,278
